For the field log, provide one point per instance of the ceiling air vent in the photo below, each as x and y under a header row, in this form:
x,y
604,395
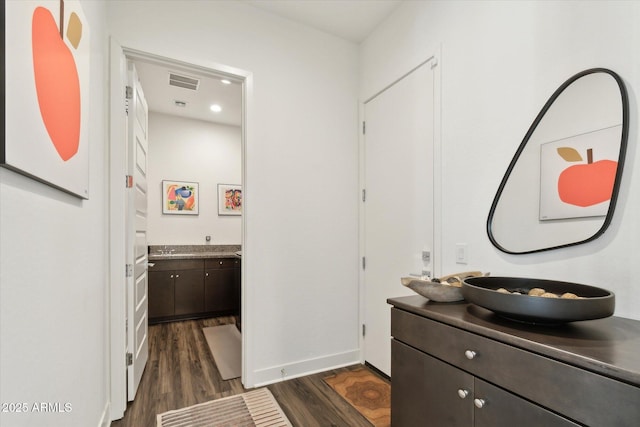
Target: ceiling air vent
x,y
183,81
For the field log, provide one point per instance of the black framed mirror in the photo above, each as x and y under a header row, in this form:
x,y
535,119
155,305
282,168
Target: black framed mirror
x,y
561,186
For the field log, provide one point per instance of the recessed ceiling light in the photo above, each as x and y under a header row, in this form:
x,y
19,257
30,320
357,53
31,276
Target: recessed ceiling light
x,y
216,108
225,82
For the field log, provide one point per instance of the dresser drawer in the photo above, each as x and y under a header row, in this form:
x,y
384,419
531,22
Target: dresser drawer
x,y
574,392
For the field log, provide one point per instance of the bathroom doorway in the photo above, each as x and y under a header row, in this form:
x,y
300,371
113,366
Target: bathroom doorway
x,y
235,116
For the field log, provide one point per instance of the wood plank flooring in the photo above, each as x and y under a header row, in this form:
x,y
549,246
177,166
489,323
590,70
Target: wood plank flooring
x,y
181,372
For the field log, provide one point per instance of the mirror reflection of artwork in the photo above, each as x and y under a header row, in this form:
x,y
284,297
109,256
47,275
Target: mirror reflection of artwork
x,y
229,199
561,186
180,198
577,175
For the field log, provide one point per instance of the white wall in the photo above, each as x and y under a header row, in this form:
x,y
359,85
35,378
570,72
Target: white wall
x,y
300,190
195,151
53,279
500,63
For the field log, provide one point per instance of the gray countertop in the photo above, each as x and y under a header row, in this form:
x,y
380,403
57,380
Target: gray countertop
x,y
167,252
196,255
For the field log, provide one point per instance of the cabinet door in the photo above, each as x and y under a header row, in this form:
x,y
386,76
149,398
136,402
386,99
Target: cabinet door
x,y
428,392
499,408
238,286
220,292
189,287
161,298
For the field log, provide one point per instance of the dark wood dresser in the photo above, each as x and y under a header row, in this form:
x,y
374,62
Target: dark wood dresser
x,y
457,364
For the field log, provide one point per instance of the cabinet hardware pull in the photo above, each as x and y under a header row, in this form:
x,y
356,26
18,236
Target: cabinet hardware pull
x,y
172,276
177,275
463,393
470,354
206,274
479,403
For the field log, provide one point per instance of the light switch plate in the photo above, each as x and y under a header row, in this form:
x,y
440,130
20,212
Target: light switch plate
x,y
461,253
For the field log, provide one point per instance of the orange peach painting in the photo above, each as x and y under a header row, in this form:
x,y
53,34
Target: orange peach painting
x,y
578,175
47,59
56,78
586,184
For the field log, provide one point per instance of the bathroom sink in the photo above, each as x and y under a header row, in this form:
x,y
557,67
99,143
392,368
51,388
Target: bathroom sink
x,y
513,301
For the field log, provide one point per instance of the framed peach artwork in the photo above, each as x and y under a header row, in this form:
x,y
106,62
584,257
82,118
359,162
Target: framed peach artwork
x,y
577,175
46,93
180,198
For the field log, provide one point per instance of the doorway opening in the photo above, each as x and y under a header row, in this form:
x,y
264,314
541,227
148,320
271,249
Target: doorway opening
x,y
120,60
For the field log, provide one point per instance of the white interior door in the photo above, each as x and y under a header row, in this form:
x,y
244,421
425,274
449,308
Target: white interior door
x,y
136,224
398,210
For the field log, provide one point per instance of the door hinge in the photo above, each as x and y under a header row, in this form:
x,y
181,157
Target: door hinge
x,y
129,270
364,263
364,128
129,359
128,181
364,329
364,195
128,94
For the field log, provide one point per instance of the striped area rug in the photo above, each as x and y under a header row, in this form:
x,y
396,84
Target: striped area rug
x,y
255,408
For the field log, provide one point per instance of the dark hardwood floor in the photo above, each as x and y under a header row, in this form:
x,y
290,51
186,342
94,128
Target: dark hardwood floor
x,y
181,372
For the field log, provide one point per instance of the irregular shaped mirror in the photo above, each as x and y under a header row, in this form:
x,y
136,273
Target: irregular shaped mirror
x,y
561,187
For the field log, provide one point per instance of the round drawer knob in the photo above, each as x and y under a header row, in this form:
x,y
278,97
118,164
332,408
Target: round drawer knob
x,y
463,393
177,275
470,354
220,262
479,403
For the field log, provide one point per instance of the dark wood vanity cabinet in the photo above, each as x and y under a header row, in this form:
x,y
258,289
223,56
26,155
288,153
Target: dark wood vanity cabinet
x,y
175,288
189,286
460,365
222,285
193,288
161,294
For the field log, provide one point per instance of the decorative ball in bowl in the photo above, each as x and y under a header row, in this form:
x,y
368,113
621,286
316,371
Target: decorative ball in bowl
x,y
538,300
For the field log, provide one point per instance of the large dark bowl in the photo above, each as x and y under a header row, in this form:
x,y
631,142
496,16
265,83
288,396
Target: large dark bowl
x,y
595,304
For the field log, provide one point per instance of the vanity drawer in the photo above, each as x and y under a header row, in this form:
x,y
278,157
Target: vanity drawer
x,y
214,263
581,395
176,264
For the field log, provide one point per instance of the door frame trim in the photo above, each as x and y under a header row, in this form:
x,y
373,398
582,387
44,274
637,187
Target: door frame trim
x,y
116,211
434,57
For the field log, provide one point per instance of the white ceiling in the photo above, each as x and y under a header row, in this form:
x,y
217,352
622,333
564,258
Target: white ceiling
x,y
352,20
161,96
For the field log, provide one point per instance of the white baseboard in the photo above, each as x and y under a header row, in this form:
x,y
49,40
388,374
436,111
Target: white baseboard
x,y
302,368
